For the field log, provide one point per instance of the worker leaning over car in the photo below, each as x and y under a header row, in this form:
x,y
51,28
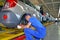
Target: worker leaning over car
x,y
38,33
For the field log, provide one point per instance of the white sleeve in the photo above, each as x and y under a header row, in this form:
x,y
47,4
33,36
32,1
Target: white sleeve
x,y
29,23
18,26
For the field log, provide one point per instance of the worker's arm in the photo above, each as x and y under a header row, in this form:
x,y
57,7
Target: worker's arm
x,y
24,26
36,23
28,25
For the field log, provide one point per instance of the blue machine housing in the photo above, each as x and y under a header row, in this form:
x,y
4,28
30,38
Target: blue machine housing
x,y
11,21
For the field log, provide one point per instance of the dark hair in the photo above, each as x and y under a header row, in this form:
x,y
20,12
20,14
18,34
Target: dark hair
x,y
26,14
23,20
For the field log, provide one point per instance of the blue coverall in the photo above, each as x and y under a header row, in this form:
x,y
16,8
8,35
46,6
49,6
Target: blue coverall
x,y
39,33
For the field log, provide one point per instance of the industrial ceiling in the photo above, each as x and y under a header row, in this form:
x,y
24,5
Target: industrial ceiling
x,y
50,6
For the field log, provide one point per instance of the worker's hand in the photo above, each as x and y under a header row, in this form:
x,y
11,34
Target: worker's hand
x,y
28,25
18,26
21,26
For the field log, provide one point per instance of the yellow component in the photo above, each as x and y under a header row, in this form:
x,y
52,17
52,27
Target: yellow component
x,y
48,23
7,34
10,34
1,3
2,25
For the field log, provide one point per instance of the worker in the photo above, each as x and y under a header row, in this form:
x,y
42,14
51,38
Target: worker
x,y
38,33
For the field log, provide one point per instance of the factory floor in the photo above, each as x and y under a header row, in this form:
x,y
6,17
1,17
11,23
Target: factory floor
x,y
53,32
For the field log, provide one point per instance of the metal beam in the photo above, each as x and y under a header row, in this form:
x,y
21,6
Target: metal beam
x,y
53,6
51,3
45,4
35,2
46,7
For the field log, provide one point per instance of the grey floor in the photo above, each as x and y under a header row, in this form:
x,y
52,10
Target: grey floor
x,y
53,32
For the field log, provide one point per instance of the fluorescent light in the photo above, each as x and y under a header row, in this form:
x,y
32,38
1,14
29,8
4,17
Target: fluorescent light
x,y
59,10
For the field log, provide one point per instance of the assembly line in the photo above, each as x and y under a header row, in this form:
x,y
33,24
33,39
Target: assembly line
x,y
22,20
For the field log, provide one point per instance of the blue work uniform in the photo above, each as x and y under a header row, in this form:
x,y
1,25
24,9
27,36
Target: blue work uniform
x,y
39,33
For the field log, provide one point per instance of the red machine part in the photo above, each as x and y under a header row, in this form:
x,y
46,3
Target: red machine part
x,y
12,3
20,38
5,17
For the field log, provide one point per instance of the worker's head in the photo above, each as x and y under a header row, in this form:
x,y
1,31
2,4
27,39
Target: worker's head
x,y
25,18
